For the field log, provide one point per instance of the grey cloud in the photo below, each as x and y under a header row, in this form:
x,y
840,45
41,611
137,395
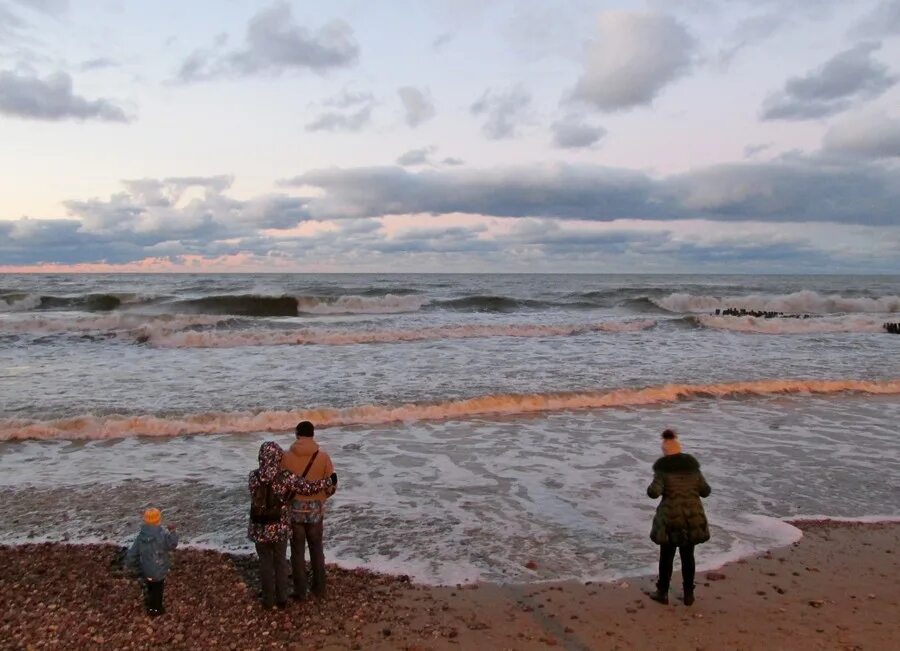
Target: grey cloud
x,y
452,161
563,191
867,137
802,190
415,157
442,40
502,110
336,121
751,31
633,58
274,44
417,105
52,98
847,78
752,150
98,63
882,22
45,6
348,99
572,132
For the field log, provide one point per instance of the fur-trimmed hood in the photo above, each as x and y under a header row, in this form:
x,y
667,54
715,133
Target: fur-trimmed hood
x,y
676,463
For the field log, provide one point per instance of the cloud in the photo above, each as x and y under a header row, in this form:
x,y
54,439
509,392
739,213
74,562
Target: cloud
x,y
415,157
98,63
502,110
572,132
353,112
751,31
633,58
452,161
802,190
752,150
335,121
847,78
46,6
275,44
882,22
417,105
52,98
875,136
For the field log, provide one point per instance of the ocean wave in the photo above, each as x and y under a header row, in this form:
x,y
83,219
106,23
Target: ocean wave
x,y
802,302
351,304
490,304
778,326
137,325
236,338
123,426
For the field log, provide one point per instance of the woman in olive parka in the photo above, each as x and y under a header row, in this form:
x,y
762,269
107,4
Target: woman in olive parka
x,y
680,522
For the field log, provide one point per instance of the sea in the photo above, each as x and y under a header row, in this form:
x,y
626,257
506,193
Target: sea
x,y
484,427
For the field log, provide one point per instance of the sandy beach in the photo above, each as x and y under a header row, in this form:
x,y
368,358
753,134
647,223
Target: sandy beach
x,y
834,589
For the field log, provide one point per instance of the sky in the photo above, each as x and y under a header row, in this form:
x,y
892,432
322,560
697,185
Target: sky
x,y
675,136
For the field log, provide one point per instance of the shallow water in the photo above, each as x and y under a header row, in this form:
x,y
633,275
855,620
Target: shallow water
x,y
446,471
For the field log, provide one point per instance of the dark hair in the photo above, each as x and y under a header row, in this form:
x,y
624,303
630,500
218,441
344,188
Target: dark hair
x,y
305,429
669,434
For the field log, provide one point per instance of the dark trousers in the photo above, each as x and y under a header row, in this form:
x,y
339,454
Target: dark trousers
x,y
154,595
273,572
667,558
308,534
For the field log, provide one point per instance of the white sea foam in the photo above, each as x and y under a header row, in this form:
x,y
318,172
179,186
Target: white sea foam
x,y
139,324
802,302
235,338
119,426
28,302
856,323
387,304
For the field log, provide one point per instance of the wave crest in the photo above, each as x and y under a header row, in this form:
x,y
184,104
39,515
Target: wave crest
x,y
802,302
233,339
120,426
789,326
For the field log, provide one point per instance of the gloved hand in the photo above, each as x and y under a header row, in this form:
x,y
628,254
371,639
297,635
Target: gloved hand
x,y
334,479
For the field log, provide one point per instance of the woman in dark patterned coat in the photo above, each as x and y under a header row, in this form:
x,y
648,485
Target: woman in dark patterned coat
x,y
680,522
271,489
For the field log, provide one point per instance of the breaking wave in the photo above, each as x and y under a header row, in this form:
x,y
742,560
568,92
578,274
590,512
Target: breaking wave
x,y
122,426
232,339
135,324
789,326
802,302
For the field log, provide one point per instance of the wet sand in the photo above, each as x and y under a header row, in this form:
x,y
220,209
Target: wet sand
x,y
835,589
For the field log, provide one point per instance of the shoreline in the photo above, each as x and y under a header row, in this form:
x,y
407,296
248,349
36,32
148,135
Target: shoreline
x,y
833,588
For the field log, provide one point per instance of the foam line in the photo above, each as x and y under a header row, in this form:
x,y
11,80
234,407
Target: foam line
x,y
235,338
121,426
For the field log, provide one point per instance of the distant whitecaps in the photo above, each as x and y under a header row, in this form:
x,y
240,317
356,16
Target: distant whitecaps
x,y
802,302
790,326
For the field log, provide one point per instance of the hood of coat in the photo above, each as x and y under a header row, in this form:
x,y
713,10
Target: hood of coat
x,y
270,454
676,463
148,532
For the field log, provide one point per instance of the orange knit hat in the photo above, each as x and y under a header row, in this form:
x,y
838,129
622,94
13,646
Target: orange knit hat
x,y
152,516
670,444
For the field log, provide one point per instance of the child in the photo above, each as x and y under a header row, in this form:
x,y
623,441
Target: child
x,y
149,554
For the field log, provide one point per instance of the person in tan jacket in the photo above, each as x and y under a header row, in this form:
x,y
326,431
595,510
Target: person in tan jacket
x,y
305,459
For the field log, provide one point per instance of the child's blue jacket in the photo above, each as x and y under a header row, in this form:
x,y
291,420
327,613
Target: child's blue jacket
x,y
149,553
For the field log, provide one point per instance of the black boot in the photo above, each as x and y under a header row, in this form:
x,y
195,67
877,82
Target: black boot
x,y
688,595
660,595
